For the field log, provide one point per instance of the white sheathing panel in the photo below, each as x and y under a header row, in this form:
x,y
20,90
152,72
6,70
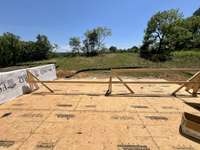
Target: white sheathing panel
x,y
13,83
46,73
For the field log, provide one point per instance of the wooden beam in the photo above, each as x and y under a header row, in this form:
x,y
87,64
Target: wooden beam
x,y
174,93
156,69
118,82
75,82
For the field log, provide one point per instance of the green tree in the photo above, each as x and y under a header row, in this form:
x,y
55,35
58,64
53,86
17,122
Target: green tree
x,y
113,49
94,40
157,34
102,33
28,50
42,48
197,12
133,49
13,50
75,44
192,24
90,43
9,49
180,38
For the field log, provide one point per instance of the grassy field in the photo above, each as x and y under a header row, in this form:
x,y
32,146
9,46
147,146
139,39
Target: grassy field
x,y
182,59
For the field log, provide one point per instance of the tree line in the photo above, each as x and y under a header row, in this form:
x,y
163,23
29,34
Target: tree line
x,y
13,50
94,43
168,31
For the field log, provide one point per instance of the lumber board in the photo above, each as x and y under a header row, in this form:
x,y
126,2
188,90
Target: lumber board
x,y
118,82
156,69
190,85
125,84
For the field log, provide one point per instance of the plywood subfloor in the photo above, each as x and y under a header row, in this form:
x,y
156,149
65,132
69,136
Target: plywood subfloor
x,y
80,117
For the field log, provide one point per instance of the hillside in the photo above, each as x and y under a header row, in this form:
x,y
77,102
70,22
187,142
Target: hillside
x,y
182,59
66,65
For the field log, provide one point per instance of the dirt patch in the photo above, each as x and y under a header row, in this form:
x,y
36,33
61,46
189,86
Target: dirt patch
x,y
64,73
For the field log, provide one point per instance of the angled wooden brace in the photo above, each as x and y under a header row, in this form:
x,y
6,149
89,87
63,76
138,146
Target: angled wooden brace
x,y
130,90
31,76
194,86
33,86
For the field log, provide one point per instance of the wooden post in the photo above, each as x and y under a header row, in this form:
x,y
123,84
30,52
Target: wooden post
x,y
109,91
39,81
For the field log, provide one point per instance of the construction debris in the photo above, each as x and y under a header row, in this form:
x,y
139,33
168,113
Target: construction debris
x,y
190,126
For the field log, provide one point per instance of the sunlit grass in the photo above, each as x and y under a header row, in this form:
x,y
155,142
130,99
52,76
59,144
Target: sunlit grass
x,y
180,59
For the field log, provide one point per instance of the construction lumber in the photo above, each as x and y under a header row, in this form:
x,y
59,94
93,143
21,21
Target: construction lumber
x,y
125,84
156,69
190,126
194,86
192,83
33,86
117,82
39,81
109,91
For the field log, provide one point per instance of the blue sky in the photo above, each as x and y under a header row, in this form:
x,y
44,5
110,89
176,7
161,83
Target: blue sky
x,y
62,19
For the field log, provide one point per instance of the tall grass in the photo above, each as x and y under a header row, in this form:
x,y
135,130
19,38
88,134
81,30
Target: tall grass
x,y
180,59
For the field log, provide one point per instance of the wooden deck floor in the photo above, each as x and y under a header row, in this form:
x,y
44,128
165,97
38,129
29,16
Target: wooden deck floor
x,y
80,117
